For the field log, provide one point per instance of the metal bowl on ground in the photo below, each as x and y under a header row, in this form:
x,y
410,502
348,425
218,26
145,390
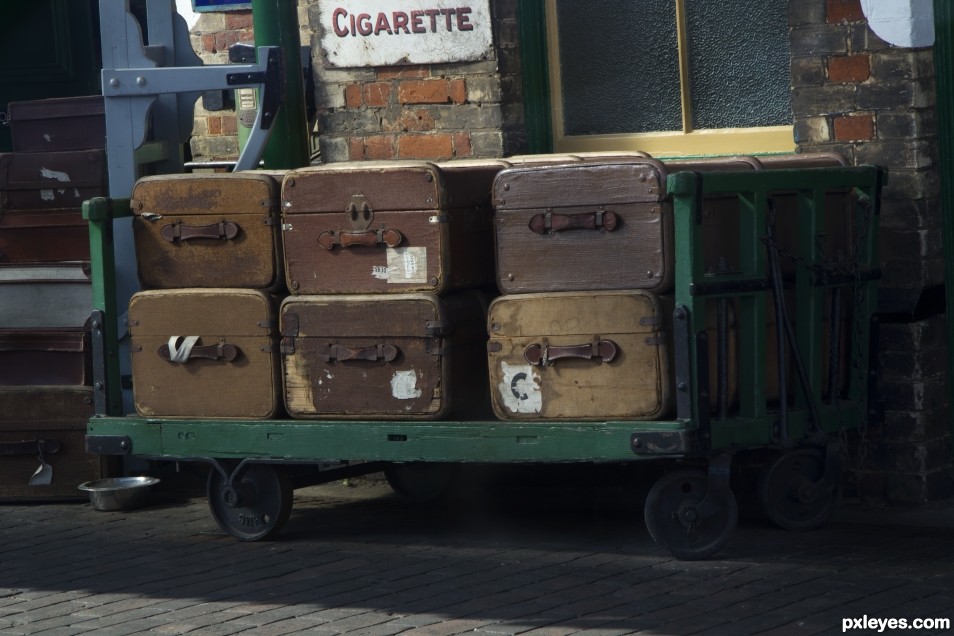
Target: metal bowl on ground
x,y
119,493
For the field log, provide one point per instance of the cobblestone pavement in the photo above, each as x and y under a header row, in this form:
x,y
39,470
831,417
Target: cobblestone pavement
x,y
503,560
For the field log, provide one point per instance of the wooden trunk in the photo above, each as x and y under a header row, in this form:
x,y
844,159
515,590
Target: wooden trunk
x,y
51,180
40,236
596,224
52,125
396,356
208,230
580,356
54,417
395,227
44,357
233,368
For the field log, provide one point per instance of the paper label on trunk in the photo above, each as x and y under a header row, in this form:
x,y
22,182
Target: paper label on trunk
x,y
520,388
404,385
407,265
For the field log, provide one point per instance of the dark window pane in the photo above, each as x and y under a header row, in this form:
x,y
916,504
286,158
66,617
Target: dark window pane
x,y
619,66
739,63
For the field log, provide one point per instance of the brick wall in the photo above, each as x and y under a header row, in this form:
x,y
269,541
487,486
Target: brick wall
x,y
422,112
855,94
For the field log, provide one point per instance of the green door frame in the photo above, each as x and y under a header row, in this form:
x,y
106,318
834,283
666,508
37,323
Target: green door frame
x,y
944,79
536,75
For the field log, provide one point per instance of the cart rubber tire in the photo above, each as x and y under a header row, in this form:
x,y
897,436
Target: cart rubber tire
x,y
670,497
421,482
789,490
256,506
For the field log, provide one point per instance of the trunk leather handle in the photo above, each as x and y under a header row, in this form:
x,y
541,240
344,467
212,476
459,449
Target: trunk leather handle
x,y
30,447
374,353
546,354
224,230
367,238
549,222
173,351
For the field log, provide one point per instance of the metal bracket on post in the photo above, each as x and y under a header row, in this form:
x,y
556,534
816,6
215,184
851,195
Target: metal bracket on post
x,y
99,355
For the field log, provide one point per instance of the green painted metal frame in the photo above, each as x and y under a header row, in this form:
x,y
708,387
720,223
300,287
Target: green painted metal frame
x,y
695,434
536,75
944,80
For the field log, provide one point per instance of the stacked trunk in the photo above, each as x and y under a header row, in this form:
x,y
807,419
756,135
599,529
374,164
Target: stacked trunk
x,y
387,265
58,161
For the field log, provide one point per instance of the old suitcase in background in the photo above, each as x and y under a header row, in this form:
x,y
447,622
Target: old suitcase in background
x,y
42,236
55,125
46,424
588,225
395,356
580,356
45,295
396,227
44,357
204,353
51,180
208,230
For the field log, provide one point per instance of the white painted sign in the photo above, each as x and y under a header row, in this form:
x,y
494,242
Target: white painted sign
x,y
359,33
905,23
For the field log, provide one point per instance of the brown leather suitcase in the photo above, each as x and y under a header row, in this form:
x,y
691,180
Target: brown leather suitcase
x,y
204,353
51,180
43,236
208,230
55,125
596,224
602,355
44,357
394,356
390,226
47,421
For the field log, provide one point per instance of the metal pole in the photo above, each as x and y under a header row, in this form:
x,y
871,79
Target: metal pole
x,y
944,79
276,24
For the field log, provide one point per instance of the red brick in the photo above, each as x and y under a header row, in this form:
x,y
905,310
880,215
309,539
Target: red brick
x,y
215,125
353,95
462,147
457,90
379,147
843,11
402,72
435,146
235,20
431,91
854,128
356,148
377,94
225,39
410,120
208,43
849,68
229,125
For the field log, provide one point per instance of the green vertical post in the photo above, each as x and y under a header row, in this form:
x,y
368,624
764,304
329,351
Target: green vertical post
x,y
536,75
944,79
276,24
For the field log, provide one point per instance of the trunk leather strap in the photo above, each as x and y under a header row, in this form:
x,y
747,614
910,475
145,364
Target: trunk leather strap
x,y
187,350
549,222
223,230
30,447
374,353
546,354
366,238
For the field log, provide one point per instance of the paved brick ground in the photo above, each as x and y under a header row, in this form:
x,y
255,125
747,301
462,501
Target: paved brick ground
x,y
499,560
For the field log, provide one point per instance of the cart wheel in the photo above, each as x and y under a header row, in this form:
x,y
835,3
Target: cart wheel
x,y
793,493
421,482
255,506
675,519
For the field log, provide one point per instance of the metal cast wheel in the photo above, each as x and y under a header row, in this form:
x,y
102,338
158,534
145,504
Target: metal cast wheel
x,y
255,506
793,492
681,518
421,482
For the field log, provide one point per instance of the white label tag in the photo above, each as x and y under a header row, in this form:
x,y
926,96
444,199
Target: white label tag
x,y
404,385
520,388
407,265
